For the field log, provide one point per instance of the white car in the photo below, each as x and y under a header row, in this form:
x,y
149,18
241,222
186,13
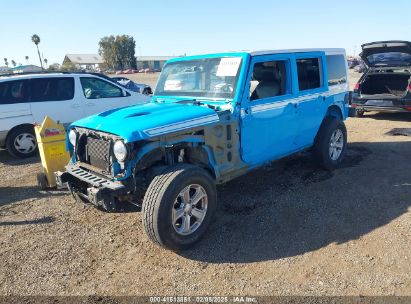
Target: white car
x,y
65,97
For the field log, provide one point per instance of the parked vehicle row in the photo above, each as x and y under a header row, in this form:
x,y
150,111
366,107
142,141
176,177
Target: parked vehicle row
x,y
133,86
66,97
132,71
212,118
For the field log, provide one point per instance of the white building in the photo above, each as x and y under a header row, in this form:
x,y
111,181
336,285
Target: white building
x,y
152,62
5,70
84,61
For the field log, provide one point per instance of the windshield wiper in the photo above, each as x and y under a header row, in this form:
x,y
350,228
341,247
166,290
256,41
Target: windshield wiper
x,y
193,101
196,102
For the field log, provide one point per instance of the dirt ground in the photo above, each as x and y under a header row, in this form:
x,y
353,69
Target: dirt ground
x,y
285,229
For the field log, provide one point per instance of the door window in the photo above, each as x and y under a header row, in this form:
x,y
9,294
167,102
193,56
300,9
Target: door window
x,y
13,92
336,69
51,89
95,88
309,75
269,79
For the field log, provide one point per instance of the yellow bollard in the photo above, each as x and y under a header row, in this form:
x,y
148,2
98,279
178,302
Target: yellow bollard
x,y
51,139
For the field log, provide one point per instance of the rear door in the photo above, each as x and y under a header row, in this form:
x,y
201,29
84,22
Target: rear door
x,y
14,104
100,95
55,97
312,88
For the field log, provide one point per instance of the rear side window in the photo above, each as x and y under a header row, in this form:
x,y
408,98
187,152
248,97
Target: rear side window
x,y
51,89
336,69
309,76
95,88
13,92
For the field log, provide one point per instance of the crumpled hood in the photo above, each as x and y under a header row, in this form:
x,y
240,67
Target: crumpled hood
x,y
148,120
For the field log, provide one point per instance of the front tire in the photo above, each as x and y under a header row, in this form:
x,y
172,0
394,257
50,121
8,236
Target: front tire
x,y
178,206
330,143
21,142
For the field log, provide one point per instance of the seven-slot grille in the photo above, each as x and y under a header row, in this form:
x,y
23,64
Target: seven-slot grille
x,y
98,153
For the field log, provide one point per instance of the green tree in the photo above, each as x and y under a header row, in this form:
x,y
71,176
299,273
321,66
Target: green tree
x,y
118,52
36,40
27,59
45,61
54,67
107,51
6,62
69,66
13,63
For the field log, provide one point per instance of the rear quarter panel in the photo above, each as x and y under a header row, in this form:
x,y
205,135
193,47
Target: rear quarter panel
x,y
12,115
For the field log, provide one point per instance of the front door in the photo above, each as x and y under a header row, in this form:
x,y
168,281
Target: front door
x,y
269,115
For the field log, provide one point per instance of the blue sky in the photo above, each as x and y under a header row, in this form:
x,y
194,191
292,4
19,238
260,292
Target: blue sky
x,y
176,27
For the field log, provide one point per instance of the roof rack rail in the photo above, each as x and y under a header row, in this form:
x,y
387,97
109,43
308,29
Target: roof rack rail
x,y
30,73
55,72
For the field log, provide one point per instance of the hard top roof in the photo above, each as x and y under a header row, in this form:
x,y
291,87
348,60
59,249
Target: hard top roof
x,y
263,52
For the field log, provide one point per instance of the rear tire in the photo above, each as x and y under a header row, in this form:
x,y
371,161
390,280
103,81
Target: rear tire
x,y
21,142
178,206
330,143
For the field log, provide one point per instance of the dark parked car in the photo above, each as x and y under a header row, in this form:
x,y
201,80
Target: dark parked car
x,y
133,86
385,85
360,68
353,63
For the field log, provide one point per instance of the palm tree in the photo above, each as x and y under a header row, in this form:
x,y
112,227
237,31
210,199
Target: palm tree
x,y
36,40
6,62
27,59
45,61
13,63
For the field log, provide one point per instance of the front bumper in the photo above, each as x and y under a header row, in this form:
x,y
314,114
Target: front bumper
x,y
94,188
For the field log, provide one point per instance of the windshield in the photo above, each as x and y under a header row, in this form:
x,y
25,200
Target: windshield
x,y
390,58
207,77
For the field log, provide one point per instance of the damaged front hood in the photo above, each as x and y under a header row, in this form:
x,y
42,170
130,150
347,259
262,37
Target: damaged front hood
x,y
149,120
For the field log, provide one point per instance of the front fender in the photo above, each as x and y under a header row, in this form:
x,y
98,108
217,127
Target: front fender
x,y
148,148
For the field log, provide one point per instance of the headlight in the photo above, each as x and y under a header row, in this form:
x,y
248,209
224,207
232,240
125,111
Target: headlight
x,y
120,151
73,137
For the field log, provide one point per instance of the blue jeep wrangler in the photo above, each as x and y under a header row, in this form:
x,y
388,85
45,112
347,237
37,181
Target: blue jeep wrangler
x,y
212,118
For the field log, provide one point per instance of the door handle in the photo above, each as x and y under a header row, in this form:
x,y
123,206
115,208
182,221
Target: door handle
x,y
75,106
90,104
246,111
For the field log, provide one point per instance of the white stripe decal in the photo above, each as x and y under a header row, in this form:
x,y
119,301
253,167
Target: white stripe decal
x,y
305,98
182,125
279,104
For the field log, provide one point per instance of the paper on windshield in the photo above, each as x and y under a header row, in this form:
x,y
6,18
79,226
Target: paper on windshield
x,y
228,66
